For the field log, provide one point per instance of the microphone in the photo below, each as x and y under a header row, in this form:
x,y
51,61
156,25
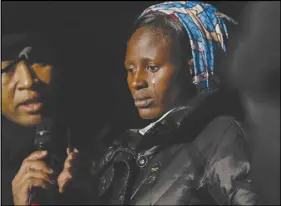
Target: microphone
x,y
43,138
43,141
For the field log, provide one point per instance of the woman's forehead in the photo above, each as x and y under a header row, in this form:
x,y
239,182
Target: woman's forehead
x,y
146,36
150,43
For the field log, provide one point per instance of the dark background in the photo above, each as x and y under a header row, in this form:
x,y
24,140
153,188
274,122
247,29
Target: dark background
x,y
90,42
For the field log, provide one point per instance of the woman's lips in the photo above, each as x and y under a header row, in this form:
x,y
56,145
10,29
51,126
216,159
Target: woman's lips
x,y
31,107
143,103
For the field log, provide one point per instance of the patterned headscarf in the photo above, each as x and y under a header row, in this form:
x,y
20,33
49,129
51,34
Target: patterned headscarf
x,y
206,30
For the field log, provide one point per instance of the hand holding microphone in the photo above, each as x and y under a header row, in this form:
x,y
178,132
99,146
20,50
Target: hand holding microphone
x,y
38,171
34,172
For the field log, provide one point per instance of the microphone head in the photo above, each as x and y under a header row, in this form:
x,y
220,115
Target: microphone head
x,y
43,137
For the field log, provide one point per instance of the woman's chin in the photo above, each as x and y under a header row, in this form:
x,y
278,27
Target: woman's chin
x,y
149,113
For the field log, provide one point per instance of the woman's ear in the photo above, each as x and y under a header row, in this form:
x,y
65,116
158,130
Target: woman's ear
x,y
191,66
188,77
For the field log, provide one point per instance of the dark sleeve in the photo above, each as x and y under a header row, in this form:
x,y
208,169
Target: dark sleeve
x,y
6,186
228,169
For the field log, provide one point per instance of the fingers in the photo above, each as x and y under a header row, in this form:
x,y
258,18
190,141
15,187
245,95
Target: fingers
x,y
34,182
69,160
69,169
36,165
31,163
35,174
68,151
37,155
21,191
22,187
63,179
71,156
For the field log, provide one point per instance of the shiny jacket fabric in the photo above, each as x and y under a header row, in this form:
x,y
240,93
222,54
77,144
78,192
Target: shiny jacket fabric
x,y
179,160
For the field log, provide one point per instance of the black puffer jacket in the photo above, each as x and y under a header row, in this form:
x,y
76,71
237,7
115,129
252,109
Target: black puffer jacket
x,y
181,159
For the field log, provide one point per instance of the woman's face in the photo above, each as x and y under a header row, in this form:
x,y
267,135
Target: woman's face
x,y
154,72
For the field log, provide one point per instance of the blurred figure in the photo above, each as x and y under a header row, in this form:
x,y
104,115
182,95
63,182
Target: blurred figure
x,y
255,72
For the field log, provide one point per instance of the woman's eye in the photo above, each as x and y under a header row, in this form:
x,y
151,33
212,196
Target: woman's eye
x,y
152,68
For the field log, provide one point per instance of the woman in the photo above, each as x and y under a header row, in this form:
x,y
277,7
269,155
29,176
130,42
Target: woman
x,y
186,155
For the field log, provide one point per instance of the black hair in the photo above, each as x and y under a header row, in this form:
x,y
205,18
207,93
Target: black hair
x,y
167,25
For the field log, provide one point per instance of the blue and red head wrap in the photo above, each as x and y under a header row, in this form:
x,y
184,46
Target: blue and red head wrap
x,y
206,30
